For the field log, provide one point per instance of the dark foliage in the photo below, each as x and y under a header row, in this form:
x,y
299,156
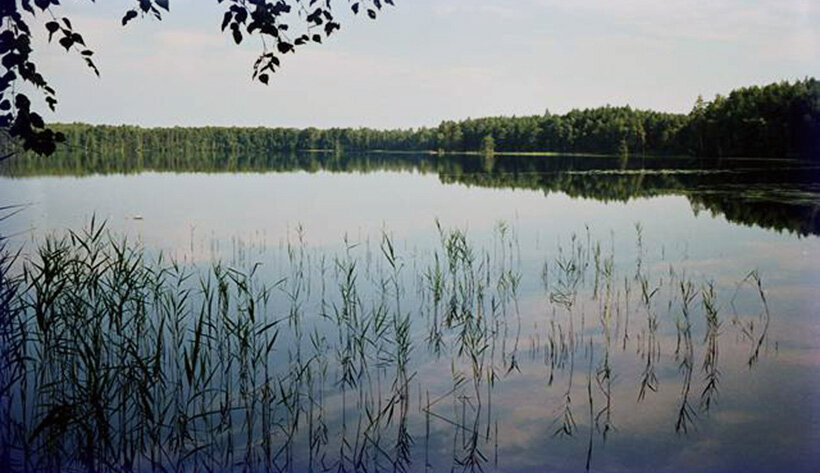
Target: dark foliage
x,y
283,26
781,119
777,121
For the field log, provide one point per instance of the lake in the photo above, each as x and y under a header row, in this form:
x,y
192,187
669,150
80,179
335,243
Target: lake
x,y
417,312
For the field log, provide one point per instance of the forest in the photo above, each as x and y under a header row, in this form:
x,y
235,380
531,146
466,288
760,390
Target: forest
x,y
779,120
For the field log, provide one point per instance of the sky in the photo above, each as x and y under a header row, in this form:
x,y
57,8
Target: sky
x,y
424,61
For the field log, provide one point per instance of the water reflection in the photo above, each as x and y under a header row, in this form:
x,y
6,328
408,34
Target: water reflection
x,y
779,195
462,357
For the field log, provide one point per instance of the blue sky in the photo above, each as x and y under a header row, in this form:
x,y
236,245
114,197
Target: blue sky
x,y
425,61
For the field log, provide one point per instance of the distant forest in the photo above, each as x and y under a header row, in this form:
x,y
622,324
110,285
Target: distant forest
x,y
780,120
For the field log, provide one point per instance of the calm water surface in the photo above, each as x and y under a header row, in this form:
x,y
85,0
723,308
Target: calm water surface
x,y
592,354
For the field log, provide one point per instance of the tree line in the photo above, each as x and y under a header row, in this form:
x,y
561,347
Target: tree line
x,y
779,120
267,19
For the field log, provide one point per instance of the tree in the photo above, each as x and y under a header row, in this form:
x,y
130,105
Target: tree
x,y
488,145
282,25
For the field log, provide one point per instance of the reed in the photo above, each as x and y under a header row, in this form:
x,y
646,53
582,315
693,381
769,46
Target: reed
x,y
711,372
118,359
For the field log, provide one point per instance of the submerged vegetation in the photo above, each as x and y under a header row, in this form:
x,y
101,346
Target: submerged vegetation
x,y
780,120
367,359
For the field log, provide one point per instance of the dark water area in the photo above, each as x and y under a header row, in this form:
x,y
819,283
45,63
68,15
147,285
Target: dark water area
x,y
413,312
775,194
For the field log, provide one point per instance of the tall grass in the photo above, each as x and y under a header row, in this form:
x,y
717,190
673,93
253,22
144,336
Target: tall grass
x,y
116,360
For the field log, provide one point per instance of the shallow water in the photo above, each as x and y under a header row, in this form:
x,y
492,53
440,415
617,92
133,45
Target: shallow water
x,y
663,224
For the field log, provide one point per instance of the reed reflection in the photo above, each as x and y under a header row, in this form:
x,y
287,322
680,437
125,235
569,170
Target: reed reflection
x,y
370,359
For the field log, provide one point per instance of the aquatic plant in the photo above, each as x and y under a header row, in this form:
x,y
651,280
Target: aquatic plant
x,y
118,359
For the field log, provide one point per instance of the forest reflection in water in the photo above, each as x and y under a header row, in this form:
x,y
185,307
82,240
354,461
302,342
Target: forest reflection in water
x,y
377,359
782,195
516,346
